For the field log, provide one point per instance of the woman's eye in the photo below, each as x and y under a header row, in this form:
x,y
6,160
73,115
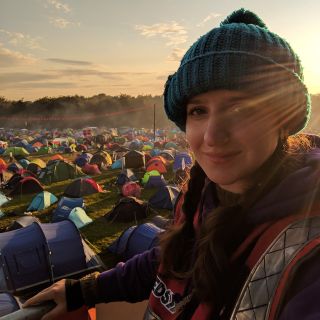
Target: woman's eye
x,y
196,111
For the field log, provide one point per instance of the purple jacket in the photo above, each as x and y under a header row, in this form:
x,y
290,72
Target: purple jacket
x,y
132,281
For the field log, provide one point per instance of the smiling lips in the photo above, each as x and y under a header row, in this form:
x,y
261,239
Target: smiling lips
x,y
221,157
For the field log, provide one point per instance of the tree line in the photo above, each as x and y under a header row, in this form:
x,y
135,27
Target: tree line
x,y
99,110
78,112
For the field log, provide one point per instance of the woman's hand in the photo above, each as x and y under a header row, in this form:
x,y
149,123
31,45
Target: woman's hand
x,y
56,293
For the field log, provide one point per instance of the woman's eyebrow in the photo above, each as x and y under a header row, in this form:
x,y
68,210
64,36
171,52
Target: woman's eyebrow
x,y
196,101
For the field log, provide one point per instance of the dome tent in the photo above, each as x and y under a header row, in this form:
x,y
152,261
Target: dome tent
x,y
57,249
42,201
164,198
65,206
124,176
155,182
135,240
8,304
79,217
82,187
25,186
59,170
22,222
149,174
134,159
128,209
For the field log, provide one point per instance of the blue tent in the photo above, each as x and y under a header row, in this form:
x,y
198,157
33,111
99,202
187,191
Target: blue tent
x,y
165,197
182,160
136,239
156,182
24,162
65,206
83,159
43,253
125,176
42,200
8,304
118,164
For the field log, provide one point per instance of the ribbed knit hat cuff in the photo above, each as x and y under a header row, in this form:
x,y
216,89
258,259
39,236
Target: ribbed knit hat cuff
x,y
175,97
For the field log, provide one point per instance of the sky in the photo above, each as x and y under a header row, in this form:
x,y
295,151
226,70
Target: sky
x,y
87,47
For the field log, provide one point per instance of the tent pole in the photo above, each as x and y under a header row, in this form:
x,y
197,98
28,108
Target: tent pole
x,y
154,122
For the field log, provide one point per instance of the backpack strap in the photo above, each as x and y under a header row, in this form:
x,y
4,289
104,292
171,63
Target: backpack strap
x,y
276,247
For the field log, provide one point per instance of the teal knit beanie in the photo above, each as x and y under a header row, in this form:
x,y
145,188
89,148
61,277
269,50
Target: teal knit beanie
x,y
241,54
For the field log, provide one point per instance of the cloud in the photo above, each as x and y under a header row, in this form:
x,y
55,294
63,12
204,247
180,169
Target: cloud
x,y
62,23
9,58
20,39
176,54
173,32
12,78
72,62
208,18
59,5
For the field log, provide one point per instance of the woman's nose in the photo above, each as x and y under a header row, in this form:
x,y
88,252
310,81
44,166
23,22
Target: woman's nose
x,y
216,132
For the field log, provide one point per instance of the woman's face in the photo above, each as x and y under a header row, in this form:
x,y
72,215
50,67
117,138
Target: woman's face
x,y
231,136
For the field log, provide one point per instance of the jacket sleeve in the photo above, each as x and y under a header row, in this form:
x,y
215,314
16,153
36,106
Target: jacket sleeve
x,y
131,281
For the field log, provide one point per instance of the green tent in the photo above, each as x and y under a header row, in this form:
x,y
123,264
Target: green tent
x,y
79,217
58,171
44,150
16,151
148,174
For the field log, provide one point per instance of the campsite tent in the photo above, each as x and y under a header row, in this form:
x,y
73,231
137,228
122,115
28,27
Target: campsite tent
x,y
42,201
118,164
149,174
124,176
79,217
91,169
26,185
8,304
82,159
36,165
182,160
136,239
155,182
102,159
134,159
128,209
14,167
65,206
16,151
43,253
164,198
24,162
59,171
22,222
161,222
156,164
131,188
82,187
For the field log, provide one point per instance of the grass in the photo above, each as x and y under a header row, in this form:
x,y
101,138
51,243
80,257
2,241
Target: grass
x,y
100,233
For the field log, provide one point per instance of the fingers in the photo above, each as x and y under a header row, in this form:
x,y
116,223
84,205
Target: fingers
x,y
42,296
56,292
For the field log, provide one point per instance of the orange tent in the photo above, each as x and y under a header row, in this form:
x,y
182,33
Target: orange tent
x,y
156,164
57,157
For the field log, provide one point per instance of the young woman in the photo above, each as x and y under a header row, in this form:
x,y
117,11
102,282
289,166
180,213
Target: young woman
x,y
246,235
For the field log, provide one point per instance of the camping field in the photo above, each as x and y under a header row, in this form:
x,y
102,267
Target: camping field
x,y
100,233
